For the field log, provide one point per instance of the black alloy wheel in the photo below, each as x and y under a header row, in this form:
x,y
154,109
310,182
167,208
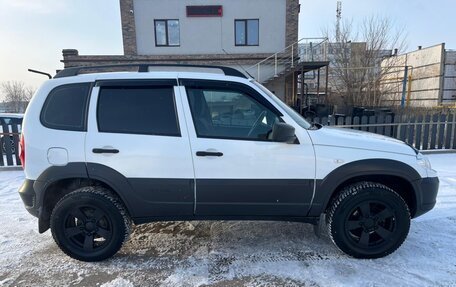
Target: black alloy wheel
x,y
370,224
368,220
88,227
90,224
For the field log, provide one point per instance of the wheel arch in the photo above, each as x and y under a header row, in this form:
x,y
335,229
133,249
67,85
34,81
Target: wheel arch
x,y
395,174
57,181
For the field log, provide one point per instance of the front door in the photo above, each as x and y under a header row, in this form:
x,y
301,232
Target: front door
x,y
239,170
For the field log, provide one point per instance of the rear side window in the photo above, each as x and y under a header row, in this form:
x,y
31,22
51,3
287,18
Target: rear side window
x,y
65,107
138,110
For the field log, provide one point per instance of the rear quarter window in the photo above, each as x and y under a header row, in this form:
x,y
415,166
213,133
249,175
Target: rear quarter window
x,y
65,107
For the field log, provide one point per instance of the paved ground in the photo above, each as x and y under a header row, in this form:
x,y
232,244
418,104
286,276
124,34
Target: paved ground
x,y
230,253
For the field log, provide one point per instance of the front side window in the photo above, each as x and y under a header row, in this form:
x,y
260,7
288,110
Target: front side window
x,y
229,114
167,33
65,107
247,32
137,110
291,112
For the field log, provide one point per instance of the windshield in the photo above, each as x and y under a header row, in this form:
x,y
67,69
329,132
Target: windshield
x,y
291,112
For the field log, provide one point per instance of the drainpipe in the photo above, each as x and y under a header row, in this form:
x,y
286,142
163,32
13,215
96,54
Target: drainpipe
x,y
404,87
409,89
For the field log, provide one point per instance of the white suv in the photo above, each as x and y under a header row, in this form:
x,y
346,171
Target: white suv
x,y
104,150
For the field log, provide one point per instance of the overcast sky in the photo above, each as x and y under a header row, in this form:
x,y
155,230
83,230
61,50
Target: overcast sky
x,y
34,32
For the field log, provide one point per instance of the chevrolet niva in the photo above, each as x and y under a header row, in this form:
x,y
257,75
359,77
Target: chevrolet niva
x,y
102,151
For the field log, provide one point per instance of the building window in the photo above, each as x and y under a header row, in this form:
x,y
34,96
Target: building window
x,y
247,32
167,33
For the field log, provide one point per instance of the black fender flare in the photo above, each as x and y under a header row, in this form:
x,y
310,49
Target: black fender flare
x,y
326,187
56,173
46,179
78,170
115,180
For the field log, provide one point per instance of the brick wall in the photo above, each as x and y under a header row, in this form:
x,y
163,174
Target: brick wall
x,y
292,19
128,27
71,58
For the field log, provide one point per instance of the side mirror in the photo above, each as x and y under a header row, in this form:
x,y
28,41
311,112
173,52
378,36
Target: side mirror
x,y
282,132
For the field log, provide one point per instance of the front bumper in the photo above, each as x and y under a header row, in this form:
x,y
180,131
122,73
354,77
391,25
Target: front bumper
x,y
426,190
28,195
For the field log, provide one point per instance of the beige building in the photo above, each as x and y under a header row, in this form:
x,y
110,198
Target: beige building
x,y
430,79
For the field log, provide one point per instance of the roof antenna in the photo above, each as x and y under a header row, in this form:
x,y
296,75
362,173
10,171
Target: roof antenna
x,y
242,68
41,73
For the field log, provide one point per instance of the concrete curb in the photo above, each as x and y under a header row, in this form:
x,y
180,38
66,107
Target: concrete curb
x,y
10,168
438,151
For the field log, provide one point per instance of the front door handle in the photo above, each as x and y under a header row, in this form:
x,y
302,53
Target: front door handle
x,y
208,153
105,150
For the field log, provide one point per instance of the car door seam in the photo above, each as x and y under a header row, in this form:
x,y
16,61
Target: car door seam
x,y
179,88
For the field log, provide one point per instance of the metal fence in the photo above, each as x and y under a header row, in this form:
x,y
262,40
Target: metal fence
x,y
424,132
9,140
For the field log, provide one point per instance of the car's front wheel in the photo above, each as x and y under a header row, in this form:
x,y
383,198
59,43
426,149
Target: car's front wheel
x,y
368,220
90,224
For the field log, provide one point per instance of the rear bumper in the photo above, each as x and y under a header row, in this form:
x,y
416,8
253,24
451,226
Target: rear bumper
x,y
33,202
29,197
426,193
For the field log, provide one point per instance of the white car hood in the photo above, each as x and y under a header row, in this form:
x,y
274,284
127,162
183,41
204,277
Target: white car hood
x,y
348,138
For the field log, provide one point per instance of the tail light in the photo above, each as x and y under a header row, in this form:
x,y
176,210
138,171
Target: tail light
x,y
22,150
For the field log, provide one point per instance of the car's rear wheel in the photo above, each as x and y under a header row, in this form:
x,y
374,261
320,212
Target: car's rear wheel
x,y
90,224
368,220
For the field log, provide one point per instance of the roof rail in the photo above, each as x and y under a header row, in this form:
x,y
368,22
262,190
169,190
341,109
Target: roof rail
x,y
142,68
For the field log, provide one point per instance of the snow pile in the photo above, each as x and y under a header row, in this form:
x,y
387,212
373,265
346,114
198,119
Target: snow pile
x,y
118,282
230,253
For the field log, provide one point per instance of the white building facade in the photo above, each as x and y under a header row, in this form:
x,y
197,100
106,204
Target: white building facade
x,y
233,33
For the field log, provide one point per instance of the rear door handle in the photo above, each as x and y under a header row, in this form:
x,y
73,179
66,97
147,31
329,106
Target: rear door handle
x,y
208,153
105,150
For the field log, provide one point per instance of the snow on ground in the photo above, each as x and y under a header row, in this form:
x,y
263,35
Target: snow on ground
x,y
230,253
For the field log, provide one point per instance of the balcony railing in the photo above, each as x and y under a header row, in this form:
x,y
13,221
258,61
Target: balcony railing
x,y
304,50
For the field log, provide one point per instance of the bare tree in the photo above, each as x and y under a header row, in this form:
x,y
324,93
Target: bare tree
x,y
357,74
17,95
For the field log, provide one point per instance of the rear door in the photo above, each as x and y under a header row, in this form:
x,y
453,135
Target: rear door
x,y
239,171
136,133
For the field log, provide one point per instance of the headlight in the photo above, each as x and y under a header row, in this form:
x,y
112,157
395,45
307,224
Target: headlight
x,y
423,161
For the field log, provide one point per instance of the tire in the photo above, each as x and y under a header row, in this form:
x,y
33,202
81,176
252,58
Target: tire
x,y
368,220
90,224
13,147
3,145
